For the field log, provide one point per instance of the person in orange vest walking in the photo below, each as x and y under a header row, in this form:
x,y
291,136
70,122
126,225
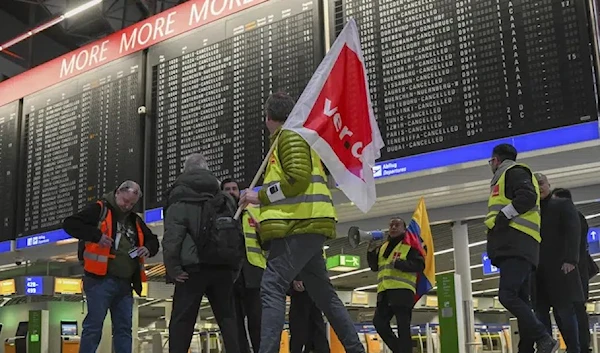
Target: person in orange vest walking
x,y
114,241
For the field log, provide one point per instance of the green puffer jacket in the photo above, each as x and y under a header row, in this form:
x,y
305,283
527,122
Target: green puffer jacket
x,y
294,155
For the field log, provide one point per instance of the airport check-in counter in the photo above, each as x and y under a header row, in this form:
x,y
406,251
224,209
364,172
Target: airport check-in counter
x,y
494,338
69,337
18,343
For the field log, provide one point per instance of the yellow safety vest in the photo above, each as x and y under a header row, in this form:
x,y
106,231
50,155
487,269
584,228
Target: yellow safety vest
x,y
254,253
529,222
315,202
391,278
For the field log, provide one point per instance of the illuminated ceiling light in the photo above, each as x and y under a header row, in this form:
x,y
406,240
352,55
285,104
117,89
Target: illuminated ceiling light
x,y
81,8
49,24
446,251
350,273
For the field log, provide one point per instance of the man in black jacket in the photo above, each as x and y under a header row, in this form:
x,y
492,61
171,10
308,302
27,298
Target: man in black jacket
x,y
246,289
513,240
184,264
116,243
395,291
558,284
585,273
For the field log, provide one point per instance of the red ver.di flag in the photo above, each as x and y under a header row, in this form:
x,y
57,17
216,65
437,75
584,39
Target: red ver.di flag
x,y
335,116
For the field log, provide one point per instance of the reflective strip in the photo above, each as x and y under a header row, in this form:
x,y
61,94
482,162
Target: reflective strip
x,y
303,199
498,208
517,220
95,257
526,223
387,267
313,178
398,279
254,250
251,236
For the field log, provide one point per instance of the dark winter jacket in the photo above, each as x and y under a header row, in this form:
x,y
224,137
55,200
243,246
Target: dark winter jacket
x,y
509,242
84,226
561,237
414,263
295,158
182,220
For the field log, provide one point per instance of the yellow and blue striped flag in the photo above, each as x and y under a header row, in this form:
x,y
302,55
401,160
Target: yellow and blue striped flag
x,y
418,236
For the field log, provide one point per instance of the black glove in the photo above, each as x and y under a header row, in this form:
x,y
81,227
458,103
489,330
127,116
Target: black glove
x,y
501,221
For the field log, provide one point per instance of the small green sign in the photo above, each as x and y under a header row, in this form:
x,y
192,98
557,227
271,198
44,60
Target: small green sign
x,y
447,312
35,329
343,263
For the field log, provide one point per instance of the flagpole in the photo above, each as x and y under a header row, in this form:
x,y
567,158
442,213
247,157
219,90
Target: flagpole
x,y
257,176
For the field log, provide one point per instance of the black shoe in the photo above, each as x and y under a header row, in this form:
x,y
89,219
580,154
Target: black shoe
x,y
547,345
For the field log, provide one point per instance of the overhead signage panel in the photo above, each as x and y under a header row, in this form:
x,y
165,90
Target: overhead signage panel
x,y
141,35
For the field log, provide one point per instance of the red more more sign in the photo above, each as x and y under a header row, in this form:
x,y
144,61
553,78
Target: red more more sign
x,y
177,20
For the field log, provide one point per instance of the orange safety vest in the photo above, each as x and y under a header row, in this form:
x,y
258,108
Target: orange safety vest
x,y
95,258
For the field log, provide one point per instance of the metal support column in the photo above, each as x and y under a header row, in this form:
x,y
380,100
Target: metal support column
x,y
462,265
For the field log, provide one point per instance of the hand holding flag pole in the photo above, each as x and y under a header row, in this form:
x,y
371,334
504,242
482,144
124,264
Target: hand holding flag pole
x,y
334,115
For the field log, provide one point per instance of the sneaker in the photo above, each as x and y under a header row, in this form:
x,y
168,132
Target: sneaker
x,y
547,345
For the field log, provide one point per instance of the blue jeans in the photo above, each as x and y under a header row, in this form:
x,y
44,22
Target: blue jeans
x,y
105,294
302,255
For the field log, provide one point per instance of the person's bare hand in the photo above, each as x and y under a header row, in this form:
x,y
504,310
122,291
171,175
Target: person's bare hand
x,y
298,286
566,268
182,277
105,241
249,197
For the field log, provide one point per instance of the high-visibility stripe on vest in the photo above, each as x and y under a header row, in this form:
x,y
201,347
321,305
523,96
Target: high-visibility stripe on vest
x,y
315,202
388,276
254,252
95,258
529,222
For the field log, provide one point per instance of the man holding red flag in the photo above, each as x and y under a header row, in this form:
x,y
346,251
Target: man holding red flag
x,y
296,217
332,122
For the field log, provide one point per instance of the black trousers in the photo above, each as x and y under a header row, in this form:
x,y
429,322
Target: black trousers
x,y
384,313
248,306
583,321
217,284
307,328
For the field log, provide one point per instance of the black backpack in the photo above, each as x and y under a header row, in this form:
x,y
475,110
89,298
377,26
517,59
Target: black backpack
x,y
221,239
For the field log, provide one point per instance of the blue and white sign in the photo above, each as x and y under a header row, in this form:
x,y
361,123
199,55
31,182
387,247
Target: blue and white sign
x,y
5,246
479,151
464,154
488,268
34,285
41,239
593,239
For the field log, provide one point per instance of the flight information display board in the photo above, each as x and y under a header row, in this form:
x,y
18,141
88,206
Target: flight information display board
x,y
81,138
9,156
446,73
208,88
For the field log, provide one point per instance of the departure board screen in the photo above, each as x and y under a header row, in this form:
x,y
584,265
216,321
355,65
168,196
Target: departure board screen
x,y
9,156
82,138
209,86
446,73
